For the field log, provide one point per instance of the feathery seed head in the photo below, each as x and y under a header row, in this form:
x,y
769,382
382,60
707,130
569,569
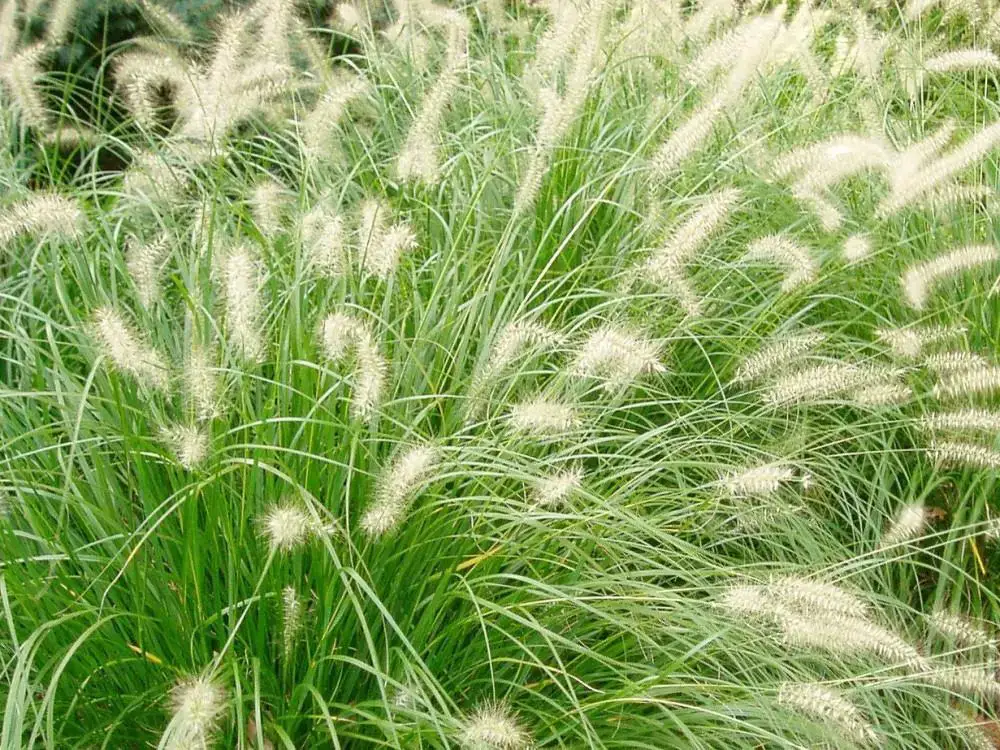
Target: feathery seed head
x,y
542,418
960,630
396,488
554,490
857,247
918,280
189,443
909,342
757,481
959,453
907,526
882,394
242,280
825,705
323,235
493,726
144,261
46,215
292,615
963,420
198,705
341,334
776,355
127,351
200,383
267,203
618,355
971,380
288,525
799,266
949,363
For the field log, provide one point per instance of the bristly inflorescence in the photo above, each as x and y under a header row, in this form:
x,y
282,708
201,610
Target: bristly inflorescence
x,y
342,334
396,488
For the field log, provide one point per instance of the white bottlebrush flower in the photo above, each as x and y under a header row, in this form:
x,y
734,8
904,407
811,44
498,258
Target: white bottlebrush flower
x,y
341,335
514,340
144,261
198,705
396,488
973,681
324,239
19,76
127,351
910,342
292,617
848,636
823,382
288,525
617,355
267,204
963,420
973,380
919,280
813,596
189,444
418,159
747,600
960,453
493,726
882,394
554,490
201,386
960,630
242,280
382,258
962,59
46,215
795,260
757,481
857,247
950,363
667,265
824,705
542,418
908,524
909,185
776,355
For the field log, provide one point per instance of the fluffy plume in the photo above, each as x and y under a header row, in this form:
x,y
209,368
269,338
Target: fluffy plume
x,y
127,352
667,265
242,279
828,707
919,280
381,246
962,453
554,490
200,383
145,261
960,630
542,418
19,75
810,595
948,363
907,526
493,726
292,616
340,335
323,236
616,355
963,420
962,59
560,111
776,355
198,705
856,248
189,444
513,341
320,125
267,202
418,159
823,382
796,261
909,343
757,481
396,488
910,185
882,394
973,681
849,636
287,526
45,215
972,380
